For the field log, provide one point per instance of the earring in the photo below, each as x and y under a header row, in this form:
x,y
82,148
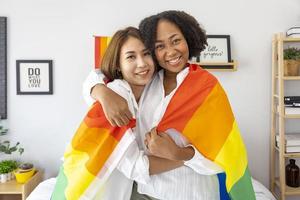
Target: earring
x,y
119,73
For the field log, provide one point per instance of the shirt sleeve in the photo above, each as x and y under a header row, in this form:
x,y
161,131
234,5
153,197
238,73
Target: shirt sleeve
x,y
135,164
202,165
94,77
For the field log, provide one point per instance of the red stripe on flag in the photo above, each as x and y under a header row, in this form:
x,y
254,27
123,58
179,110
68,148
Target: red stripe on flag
x,y
97,52
188,98
96,119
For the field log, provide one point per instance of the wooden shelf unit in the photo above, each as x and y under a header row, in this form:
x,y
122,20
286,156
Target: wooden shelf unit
x,y
289,190
290,78
278,126
15,191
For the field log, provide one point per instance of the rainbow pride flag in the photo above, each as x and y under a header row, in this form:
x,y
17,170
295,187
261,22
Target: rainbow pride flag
x,y
101,43
201,111
90,159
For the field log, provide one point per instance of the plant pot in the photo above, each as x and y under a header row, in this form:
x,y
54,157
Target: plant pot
x,y
3,178
10,176
291,67
24,176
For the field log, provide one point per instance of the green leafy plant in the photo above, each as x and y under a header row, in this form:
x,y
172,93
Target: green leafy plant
x,y
291,53
7,166
5,146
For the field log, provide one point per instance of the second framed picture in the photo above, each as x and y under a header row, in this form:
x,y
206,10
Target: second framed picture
x,y
218,49
34,77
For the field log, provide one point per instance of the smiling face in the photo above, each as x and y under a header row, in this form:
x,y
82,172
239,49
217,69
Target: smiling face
x,y
171,48
136,63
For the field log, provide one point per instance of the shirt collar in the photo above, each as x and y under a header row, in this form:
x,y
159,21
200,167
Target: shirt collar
x,y
179,77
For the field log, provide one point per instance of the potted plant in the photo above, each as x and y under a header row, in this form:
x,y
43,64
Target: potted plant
x,y
291,57
6,169
24,172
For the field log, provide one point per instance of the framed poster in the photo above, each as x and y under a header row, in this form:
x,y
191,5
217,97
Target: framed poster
x,y
34,77
3,67
217,50
217,54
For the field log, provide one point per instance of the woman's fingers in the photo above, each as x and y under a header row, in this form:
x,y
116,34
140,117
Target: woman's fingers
x,y
127,114
154,133
122,121
146,143
148,136
114,106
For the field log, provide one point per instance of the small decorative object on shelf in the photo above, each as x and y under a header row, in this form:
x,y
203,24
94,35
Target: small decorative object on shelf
x,y
24,172
6,170
291,61
292,174
293,32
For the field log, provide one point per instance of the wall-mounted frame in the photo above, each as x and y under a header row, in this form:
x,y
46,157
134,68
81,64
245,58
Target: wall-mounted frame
x,y
217,54
3,67
34,77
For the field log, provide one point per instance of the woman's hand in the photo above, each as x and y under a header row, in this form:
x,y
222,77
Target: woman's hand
x,y
114,106
162,145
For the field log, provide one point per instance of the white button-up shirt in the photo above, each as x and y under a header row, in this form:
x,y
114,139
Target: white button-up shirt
x,y
195,180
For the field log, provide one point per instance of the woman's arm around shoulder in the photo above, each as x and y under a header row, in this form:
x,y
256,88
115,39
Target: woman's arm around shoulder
x,y
114,106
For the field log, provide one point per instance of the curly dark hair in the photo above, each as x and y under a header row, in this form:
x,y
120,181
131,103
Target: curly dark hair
x,y
188,25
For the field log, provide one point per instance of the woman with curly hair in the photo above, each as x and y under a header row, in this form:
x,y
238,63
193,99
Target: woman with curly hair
x,y
171,122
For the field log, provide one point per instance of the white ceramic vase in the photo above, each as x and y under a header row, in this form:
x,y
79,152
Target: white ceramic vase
x,y
3,178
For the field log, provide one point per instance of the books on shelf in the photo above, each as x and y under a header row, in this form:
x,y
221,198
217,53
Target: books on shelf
x,y
291,105
293,32
292,101
291,110
291,139
291,149
292,142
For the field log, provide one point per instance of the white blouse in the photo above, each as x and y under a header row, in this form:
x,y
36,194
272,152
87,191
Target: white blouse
x,y
196,180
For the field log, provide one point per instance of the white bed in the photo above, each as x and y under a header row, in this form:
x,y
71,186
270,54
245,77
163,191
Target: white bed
x,y
44,189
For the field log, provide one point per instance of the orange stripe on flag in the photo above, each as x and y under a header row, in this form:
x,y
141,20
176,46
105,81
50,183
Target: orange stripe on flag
x,y
211,124
97,138
199,112
97,143
190,95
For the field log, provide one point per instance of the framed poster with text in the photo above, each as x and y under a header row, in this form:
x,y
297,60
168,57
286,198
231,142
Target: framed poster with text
x,y
34,77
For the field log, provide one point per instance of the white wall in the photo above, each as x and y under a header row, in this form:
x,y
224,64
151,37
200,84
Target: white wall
x,y
62,31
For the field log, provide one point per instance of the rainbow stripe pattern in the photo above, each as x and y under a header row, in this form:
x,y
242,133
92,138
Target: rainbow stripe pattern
x,y
93,154
201,111
101,43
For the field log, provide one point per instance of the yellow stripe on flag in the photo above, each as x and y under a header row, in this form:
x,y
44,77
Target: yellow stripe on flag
x,y
108,39
97,142
76,172
233,157
103,46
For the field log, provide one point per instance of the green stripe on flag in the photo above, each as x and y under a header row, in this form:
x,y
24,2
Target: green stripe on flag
x,y
243,189
60,186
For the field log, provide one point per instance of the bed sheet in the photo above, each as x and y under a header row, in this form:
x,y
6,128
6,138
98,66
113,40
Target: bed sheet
x,y
44,190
